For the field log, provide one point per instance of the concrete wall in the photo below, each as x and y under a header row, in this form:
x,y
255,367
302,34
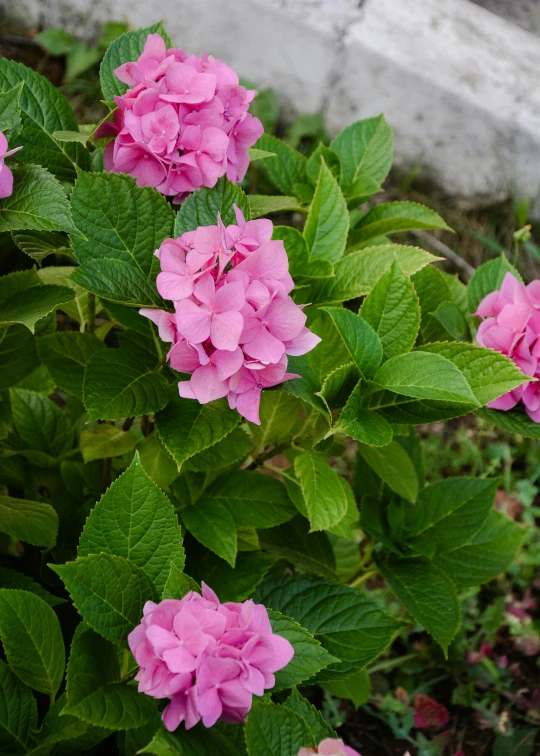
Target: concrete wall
x,y
459,84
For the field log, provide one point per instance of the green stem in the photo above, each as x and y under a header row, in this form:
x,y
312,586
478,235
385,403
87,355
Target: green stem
x,y
91,326
125,664
51,700
361,579
391,663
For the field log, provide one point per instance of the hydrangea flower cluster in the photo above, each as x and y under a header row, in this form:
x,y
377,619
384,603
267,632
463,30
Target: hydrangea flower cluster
x,y
209,658
183,123
234,322
511,325
6,176
329,747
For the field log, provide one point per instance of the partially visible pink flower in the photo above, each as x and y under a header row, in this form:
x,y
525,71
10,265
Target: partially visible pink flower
x,y
475,657
329,747
6,176
429,714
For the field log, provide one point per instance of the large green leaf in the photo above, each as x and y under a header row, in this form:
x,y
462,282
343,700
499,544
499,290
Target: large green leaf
x,y
30,305
306,551
117,384
349,626
211,523
18,355
41,424
366,426
427,593
324,496
356,274
117,256
365,149
433,292
18,714
393,311
30,521
203,206
109,592
32,640
254,500
489,374
390,217
229,584
298,252
126,48
361,341
487,278
279,419
197,742
286,168
105,441
135,520
264,204
327,224
62,733
44,110
320,729
186,427
65,354
15,579
423,375
273,730
10,109
448,513
94,691
40,244
226,453
356,689
514,421
38,202
394,466
488,554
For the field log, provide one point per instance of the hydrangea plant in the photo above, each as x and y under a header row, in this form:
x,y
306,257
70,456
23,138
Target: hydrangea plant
x,y
181,378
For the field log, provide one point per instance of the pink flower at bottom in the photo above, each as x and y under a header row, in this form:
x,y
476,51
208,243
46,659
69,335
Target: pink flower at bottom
x,y
329,747
6,176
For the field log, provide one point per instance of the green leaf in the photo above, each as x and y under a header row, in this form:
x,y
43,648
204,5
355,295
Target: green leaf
x,y
18,355
300,264
272,730
433,290
427,593
255,154
211,523
363,425
254,500
308,386
390,217
323,494
105,441
117,385
231,584
487,278
65,353
40,244
94,691
41,424
30,521
279,415
10,108
356,274
514,421
66,734
425,376
488,373
202,207
177,584
38,202
197,742
394,466
18,714
309,656
365,148
44,109
487,555
393,311
449,513
30,305
264,204
19,580
135,520
311,716
362,342
32,640
327,224
331,158
286,168
339,386
303,549
356,689
109,592
229,451
157,462
54,41
186,427
349,626
118,281
127,47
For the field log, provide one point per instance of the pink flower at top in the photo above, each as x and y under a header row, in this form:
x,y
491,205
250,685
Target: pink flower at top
x,y
511,325
183,123
208,658
6,176
329,747
234,323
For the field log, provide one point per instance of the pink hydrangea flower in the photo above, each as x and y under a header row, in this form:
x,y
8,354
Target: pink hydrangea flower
x,y
329,747
511,325
234,323
6,176
208,658
183,123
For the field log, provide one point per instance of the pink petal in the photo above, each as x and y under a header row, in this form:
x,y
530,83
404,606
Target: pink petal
x,y
265,347
227,363
206,385
174,286
185,390
184,357
268,262
193,323
6,181
285,319
248,404
230,297
205,290
226,329
303,343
